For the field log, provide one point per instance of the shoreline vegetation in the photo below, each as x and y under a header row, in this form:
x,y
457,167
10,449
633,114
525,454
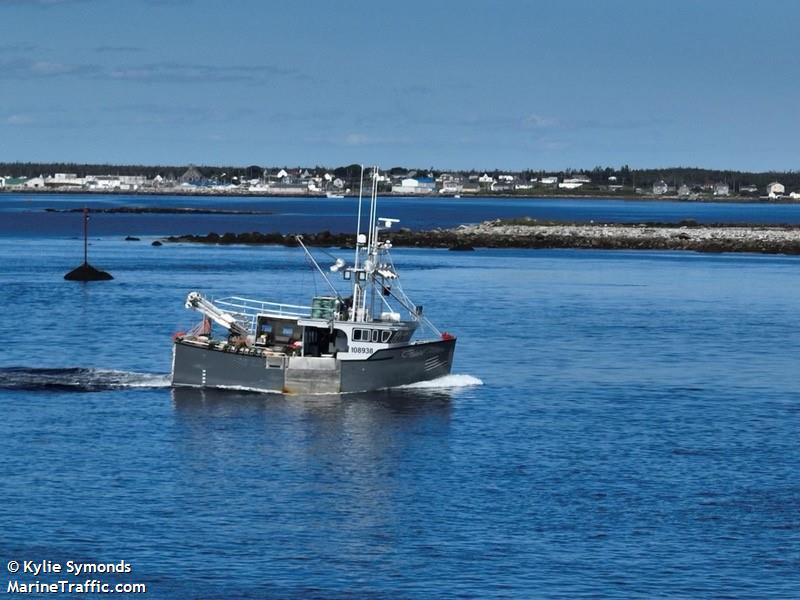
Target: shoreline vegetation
x,y
676,183
530,233
541,194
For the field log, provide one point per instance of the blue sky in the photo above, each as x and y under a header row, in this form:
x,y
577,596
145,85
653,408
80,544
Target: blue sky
x,y
466,84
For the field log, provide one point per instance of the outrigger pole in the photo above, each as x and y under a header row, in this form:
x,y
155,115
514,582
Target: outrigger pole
x,y
299,239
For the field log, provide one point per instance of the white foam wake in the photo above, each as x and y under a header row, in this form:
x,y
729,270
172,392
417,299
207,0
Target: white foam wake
x,y
136,380
78,379
457,380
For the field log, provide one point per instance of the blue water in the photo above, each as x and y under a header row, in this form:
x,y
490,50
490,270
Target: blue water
x,y
24,214
635,434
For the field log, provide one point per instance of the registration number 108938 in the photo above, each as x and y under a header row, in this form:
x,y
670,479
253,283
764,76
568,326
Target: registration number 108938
x,y
361,350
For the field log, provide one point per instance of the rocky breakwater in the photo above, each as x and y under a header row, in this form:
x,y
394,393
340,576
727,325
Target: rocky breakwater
x,y
687,235
529,233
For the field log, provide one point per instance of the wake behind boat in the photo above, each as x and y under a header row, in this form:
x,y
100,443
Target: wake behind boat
x,y
356,343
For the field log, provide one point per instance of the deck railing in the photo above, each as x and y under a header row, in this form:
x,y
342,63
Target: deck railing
x,y
245,310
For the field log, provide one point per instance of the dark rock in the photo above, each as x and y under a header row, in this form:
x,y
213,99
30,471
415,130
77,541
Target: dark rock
x,y
130,238
87,272
462,247
156,243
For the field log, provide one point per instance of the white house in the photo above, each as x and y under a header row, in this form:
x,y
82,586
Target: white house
x,y
2,182
795,195
581,178
660,187
486,179
34,182
103,182
65,180
573,183
684,190
721,189
569,184
409,185
775,189
451,185
548,180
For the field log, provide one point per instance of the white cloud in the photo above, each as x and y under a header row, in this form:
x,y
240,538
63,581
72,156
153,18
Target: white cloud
x,y
18,120
539,122
356,139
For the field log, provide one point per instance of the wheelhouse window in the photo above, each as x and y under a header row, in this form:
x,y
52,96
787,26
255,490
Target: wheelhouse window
x,y
401,336
373,335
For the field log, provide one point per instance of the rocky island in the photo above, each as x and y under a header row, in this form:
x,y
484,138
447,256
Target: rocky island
x,y
530,233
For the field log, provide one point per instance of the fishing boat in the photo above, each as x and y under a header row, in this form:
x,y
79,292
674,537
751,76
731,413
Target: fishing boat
x,y
369,337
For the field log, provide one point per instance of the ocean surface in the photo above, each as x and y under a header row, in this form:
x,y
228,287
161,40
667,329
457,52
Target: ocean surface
x,y
618,424
27,214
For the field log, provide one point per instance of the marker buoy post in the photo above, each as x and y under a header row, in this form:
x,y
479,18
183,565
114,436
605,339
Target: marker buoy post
x,y
87,272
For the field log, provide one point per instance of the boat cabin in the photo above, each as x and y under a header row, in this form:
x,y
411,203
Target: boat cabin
x,y
326,338
277,332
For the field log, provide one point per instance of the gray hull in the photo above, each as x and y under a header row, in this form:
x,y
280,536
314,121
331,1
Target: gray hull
x,y
199,366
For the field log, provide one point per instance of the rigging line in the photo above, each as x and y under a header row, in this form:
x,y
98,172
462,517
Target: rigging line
x,y
321,272
411,309
308,275
422,318
328,254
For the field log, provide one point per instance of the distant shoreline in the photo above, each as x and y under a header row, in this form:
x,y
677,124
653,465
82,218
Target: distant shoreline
x,y
159,210
539,196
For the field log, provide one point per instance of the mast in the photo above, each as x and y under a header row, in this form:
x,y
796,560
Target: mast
x,y
365,272
367,244
369,263
358,223
356,302
85,235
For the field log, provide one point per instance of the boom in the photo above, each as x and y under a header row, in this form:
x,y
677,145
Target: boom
x,y
196,301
